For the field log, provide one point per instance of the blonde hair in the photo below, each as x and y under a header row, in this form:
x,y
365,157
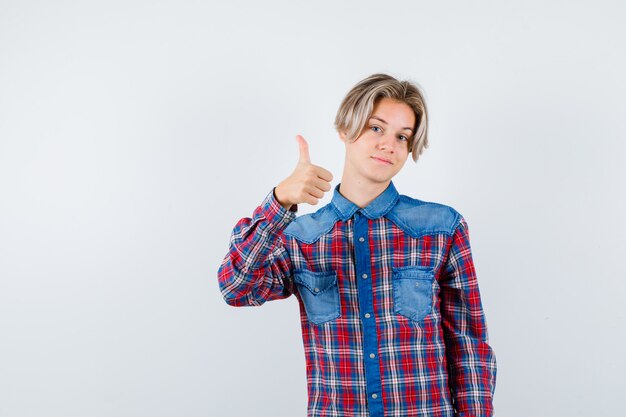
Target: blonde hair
x,y
356,108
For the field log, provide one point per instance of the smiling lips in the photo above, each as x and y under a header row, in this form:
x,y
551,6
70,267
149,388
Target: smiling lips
x,y
383,160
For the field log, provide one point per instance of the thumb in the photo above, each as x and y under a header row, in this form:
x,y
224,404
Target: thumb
x,y
304,150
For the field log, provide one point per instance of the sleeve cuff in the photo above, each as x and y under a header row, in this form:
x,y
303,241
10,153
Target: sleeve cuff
x,y
275,213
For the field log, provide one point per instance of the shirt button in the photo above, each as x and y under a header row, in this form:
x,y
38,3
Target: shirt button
x,y
317,290
361,239
364,276
367,315
374,396
372,355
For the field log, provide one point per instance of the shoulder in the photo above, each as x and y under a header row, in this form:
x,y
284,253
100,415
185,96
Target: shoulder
x,y
419,218
310,227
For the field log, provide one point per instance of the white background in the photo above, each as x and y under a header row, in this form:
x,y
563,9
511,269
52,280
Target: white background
x,y
134,134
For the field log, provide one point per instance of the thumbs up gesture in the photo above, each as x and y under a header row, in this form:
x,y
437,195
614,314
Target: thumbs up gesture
x,y
307,183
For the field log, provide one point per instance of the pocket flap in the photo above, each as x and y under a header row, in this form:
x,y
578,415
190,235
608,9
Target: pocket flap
x,y
413,292
316,282
413,272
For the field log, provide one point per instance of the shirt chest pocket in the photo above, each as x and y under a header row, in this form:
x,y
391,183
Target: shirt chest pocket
x,y
413,292
320,295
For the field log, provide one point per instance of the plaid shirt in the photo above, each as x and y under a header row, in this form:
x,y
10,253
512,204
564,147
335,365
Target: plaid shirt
x,y
391,316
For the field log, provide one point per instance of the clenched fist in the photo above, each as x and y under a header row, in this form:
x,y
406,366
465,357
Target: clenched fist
x,y
307,183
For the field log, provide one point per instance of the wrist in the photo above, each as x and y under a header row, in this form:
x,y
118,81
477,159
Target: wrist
x,y
281,200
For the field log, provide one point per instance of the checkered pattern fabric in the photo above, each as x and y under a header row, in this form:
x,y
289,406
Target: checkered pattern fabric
x,y
391,314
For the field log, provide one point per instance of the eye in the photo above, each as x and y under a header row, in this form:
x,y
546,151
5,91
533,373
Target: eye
x,y
376,128
402,137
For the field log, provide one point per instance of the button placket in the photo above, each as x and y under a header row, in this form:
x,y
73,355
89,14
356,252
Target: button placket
x,y
365,297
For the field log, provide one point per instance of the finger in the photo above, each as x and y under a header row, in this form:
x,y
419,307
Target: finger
x,y
304,150
310,199
315,192
323,173
321,184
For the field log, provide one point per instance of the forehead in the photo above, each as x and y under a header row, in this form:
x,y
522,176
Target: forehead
x,y
393,112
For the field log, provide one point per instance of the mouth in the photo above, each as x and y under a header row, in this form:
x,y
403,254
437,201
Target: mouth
x,y
382,160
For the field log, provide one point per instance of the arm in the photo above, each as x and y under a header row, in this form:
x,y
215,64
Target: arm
x,y
257,267
471,361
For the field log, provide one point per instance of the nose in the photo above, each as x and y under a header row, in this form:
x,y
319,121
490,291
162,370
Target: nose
x,y
386,142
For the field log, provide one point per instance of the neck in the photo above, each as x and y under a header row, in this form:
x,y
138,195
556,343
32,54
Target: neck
x,y
360,192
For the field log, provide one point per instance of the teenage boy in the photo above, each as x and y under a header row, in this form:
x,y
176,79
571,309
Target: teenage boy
x,y
390,309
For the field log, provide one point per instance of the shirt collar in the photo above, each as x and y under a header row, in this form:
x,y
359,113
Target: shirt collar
x,y
377,208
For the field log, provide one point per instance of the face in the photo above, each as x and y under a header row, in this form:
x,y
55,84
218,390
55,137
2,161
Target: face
x,y
381,150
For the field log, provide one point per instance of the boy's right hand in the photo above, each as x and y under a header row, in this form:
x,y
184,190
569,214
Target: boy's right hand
x,y
307,183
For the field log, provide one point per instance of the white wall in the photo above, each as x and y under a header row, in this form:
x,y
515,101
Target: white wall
x,y
134,134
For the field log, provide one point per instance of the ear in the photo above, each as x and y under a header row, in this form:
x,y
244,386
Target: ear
x,y
342,136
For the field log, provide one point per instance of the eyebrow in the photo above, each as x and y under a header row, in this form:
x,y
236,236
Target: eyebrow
x,y
379,119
